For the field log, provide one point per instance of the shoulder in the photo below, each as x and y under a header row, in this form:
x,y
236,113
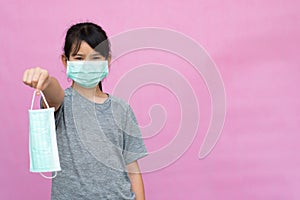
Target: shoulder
x,y
68,91
119,102
122,108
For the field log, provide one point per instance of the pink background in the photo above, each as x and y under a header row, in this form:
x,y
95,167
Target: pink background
x,y
255,45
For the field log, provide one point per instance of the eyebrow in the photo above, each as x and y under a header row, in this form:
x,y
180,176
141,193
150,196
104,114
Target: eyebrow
x,y
93,54
78,54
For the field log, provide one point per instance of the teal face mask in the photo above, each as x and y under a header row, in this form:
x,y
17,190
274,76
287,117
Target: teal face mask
x,y
87,74
42,140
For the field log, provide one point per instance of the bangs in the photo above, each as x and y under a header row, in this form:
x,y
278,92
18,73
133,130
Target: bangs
x,y
75,47
97,42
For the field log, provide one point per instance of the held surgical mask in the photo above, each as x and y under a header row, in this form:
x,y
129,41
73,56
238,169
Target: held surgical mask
x,y
87,74
42,140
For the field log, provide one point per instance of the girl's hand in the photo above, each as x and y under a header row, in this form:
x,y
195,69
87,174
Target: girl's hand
x,y
37,78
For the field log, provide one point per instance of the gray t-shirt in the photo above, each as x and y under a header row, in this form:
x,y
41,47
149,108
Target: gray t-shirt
x,y
95,143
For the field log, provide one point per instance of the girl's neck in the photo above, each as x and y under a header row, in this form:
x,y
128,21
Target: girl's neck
x,y
93,94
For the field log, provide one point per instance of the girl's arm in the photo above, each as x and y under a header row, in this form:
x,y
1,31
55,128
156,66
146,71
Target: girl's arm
x,y
136,180
40,80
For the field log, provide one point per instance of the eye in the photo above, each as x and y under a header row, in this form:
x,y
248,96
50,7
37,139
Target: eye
x,y
78,58
96,57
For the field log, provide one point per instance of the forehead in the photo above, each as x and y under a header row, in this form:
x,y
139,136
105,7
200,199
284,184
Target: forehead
x,y
85,49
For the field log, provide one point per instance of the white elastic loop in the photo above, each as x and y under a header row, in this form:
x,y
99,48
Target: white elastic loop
x,y
33,97
49,177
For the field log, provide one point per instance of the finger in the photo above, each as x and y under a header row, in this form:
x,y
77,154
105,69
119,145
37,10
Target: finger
x,y
29,77
42,79
35,77
37,92
25,76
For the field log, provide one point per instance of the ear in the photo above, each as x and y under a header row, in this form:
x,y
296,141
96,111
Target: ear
x,y
109,60
64,60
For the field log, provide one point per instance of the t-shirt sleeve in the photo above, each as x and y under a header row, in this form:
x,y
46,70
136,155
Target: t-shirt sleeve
x,y
58,114
133,144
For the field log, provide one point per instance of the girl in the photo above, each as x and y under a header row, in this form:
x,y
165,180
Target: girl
x,y
98,138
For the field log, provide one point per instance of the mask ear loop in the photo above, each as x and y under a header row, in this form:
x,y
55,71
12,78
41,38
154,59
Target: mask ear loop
x,y
32,102
48,177
44,99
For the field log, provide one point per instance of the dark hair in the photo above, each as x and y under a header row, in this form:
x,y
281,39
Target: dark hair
x,y
92,34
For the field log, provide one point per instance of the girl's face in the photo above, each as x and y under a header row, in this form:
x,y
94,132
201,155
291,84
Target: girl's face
x,y
85,53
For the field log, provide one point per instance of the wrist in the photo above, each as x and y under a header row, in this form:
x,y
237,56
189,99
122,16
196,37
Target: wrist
x,y
48,83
